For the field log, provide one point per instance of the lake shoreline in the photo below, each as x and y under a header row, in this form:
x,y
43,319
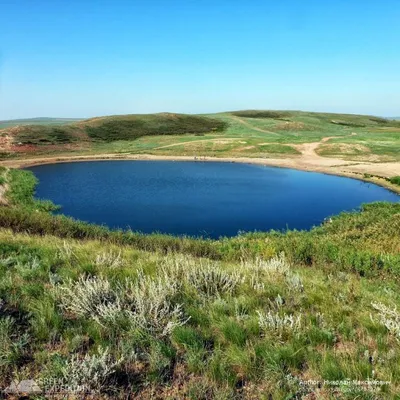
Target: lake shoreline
x,y
290,163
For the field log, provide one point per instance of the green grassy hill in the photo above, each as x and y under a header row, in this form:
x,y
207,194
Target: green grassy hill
x,y
260,316
108,129
251,133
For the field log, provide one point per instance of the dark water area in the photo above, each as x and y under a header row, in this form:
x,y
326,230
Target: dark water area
x,y
208,199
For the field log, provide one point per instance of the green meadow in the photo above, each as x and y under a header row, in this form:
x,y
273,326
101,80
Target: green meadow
x,y
261,134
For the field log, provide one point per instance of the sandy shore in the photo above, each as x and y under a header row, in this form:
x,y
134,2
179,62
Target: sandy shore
x,y
308,161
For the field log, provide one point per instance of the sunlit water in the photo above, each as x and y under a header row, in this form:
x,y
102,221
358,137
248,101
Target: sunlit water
x,y
200,198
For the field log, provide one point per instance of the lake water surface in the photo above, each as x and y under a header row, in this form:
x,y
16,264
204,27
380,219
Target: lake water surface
x,y
200,198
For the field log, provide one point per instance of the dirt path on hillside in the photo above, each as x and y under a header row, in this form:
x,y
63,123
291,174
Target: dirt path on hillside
x,y
307,150
254,128
309,154
219,139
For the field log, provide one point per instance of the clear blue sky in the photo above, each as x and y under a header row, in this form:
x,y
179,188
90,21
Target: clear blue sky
x,y
81,58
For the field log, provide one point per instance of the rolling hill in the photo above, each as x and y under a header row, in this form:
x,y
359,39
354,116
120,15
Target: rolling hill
x,y
107,129
286,124
325,142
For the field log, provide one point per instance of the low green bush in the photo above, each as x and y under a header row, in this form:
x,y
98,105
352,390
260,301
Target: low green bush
x,y
395,180
46,135
262,114
133,127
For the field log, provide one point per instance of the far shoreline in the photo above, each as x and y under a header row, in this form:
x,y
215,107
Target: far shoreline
x,y
289,163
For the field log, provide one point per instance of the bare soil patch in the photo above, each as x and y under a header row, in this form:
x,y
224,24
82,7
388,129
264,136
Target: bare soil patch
x,y
345,148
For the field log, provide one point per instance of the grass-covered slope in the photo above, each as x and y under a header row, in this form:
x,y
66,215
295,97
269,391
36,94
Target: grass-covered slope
x,y
113,320
108,129
40,135
250,134
131,127
351,120
260,316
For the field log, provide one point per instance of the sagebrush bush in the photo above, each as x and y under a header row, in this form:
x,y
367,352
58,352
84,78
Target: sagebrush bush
x,y
213,281
90,373
109,259
145,303
274,321
389,317
206,277
274,265
152,305
294,282
270,270
87,297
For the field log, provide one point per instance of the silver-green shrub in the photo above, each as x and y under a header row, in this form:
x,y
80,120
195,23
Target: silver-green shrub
x,y
145,303
389,317
89,373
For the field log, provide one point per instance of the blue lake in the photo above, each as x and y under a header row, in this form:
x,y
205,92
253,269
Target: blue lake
x,y
200,198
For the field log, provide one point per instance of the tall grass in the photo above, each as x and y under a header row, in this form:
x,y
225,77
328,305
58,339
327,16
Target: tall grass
x,y
158,324
21,191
